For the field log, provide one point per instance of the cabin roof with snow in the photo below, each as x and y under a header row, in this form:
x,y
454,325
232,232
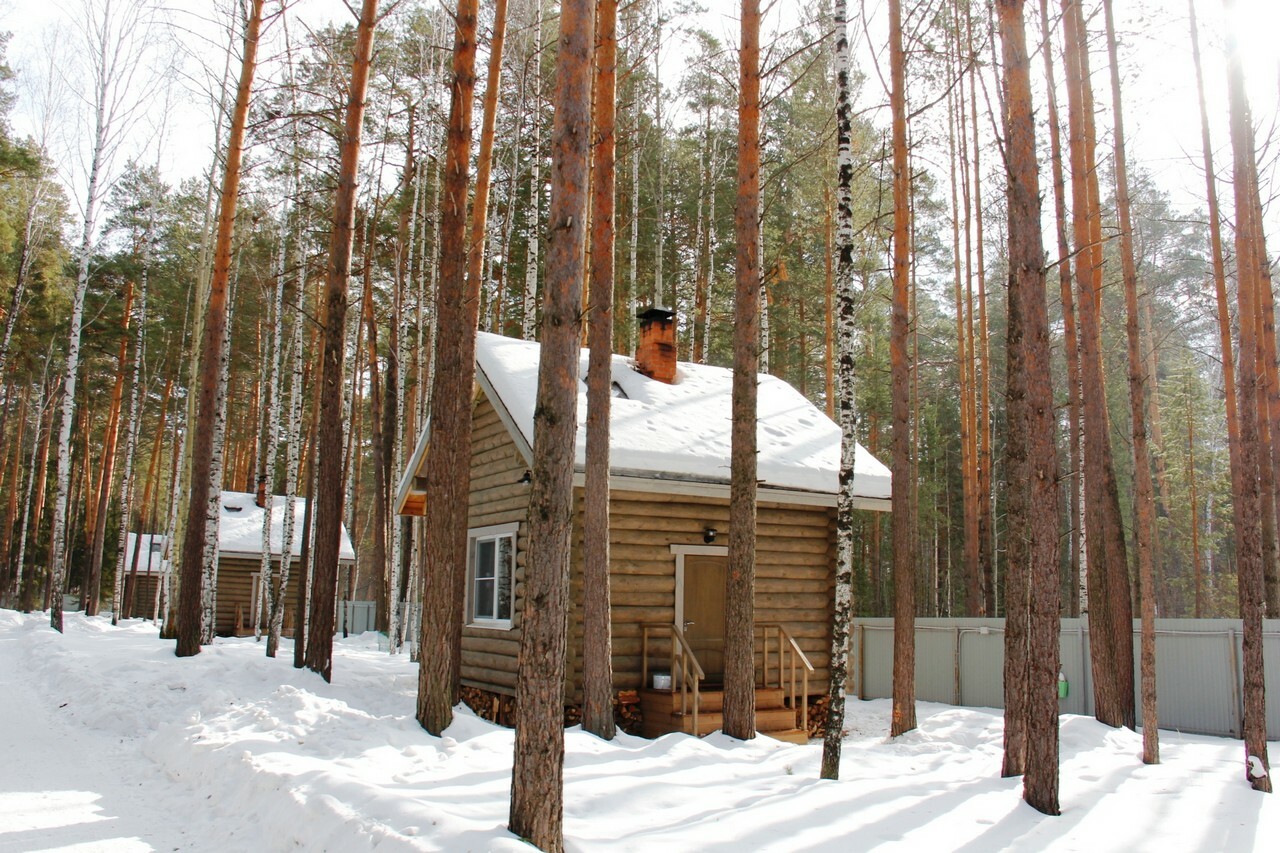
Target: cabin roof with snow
x,y
240,527
150,555
676,434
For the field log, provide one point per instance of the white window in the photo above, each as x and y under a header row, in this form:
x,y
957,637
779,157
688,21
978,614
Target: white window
x,y
491,566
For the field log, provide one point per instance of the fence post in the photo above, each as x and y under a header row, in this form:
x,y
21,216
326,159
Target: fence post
x,y
1237,704
955,690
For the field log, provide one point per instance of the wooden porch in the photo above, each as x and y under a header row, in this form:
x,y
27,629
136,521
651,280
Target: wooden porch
x,y
689,703
663,714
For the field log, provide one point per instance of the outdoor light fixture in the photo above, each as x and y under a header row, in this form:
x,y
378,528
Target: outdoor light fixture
x,y
527,478
709,535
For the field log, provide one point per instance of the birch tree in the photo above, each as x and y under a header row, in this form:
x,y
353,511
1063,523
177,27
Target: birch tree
x,y
847,295
111,79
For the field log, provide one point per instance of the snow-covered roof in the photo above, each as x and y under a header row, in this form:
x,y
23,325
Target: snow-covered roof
x,y
240,526
150,555
679,432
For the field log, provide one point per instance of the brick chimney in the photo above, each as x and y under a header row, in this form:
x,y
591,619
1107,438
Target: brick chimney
x,y
656,349
261,497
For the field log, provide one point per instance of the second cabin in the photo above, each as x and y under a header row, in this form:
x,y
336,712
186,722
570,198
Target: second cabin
x,y
669,523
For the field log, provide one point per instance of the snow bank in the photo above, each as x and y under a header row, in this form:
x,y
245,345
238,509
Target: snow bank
x,y
231,750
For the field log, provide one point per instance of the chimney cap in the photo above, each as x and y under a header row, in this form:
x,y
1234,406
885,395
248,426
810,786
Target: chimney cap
x,y
655,313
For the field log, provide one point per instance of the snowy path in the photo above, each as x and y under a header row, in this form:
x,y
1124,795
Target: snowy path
x,y
66,787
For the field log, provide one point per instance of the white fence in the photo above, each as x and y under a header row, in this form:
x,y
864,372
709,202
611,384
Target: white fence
x,y
961,662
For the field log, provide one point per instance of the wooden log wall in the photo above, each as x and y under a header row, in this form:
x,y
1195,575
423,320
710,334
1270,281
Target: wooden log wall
x,y
235,590
795,559
497,497
794,570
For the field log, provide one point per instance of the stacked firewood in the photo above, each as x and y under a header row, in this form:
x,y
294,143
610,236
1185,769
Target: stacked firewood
x,y
627,713
818,709
494,707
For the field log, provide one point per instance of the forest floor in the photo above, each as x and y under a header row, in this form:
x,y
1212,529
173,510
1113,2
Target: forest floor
x,y
110,743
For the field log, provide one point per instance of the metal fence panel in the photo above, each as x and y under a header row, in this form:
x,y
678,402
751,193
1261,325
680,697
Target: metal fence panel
x,y
1199,667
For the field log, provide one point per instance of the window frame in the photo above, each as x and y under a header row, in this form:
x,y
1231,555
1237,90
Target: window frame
x,y
494,533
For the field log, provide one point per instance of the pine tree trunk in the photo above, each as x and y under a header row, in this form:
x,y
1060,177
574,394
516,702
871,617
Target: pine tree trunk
x,y
329,438
1144,489
739,641
904,546
537,778
1111,628
448,473
1245,489
597,644
1070,342
215,322
1031,451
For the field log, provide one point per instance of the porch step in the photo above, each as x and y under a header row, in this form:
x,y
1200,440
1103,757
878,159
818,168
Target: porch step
x,y
789,735
662,714
710,699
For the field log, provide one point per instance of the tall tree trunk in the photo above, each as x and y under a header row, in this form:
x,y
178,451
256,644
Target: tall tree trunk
x,y
324,575
91,595
1031,451
529,316
448,472
150,496
597,655
1144,491
903,521
842,612
1250,260
1070,341
1111,623
537,778
131,441
1222,301
739,640
215,322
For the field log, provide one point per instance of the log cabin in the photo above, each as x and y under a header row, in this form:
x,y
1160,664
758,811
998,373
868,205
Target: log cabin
x,y
669,519
140,585
238,598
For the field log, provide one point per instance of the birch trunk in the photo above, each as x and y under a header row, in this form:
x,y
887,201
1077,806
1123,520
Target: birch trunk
x,y
530,313
846,288
131,444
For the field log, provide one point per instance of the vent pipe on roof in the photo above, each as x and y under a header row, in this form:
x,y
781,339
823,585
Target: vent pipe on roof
x,y
656,346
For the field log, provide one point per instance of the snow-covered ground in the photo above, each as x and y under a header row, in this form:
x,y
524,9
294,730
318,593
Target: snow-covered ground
x,y
110,743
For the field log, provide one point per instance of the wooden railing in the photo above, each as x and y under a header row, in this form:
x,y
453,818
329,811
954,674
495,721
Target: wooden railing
x,y
788,659
685,670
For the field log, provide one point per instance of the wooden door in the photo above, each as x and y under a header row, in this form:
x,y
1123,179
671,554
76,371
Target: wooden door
x,y
704,580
